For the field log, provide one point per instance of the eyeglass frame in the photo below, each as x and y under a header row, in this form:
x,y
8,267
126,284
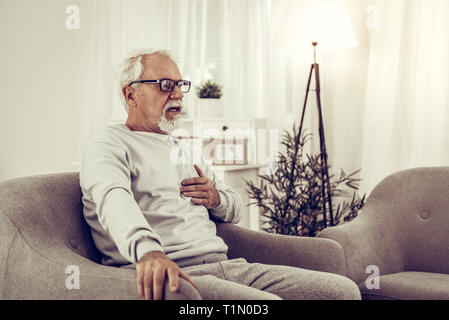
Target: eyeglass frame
x,y
160,83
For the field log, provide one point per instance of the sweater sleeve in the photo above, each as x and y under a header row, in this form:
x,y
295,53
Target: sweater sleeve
x,y
105,179
230,207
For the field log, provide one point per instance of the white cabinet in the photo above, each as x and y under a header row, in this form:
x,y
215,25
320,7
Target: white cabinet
x,y
200,127
246,131
223,125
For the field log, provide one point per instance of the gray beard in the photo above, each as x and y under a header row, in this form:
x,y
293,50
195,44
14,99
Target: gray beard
x,y
169,126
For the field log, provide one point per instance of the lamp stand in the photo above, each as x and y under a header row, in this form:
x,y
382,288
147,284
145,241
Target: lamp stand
x,y
323,153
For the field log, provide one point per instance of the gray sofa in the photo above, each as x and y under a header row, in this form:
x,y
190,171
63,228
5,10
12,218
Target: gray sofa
x,y
42,232
404,231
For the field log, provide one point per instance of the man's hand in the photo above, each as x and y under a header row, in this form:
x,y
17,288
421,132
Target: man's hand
x,y
201,189
151,270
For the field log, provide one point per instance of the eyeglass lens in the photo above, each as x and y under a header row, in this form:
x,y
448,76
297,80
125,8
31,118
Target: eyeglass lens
x,y
169,85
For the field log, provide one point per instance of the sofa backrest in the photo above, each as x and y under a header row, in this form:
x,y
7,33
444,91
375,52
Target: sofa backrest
x,y
418,202
48,208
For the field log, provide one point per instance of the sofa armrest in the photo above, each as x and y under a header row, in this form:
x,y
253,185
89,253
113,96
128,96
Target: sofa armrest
x,y
367,241
303,252
33,269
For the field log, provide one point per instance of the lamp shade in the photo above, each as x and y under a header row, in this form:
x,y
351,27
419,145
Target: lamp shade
x,y
325,22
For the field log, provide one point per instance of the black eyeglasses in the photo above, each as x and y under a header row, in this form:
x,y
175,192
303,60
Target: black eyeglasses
x,y
168,85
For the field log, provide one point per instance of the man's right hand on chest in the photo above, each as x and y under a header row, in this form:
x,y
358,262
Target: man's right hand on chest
x,y
152,269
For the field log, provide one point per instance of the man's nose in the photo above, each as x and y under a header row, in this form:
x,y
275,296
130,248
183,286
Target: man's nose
x,y
176,93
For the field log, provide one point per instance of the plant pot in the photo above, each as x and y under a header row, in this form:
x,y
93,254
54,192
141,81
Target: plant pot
x,y
210,108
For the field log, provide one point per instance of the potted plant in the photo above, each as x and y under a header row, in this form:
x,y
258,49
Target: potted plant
x,y
209,93
290,199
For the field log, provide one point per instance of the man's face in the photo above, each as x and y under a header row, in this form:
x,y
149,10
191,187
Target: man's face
x,y
147,107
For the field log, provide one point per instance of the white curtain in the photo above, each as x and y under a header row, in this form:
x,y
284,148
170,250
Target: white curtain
x,y
406,121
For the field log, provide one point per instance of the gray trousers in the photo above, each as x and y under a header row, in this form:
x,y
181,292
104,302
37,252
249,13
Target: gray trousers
x,y
221,279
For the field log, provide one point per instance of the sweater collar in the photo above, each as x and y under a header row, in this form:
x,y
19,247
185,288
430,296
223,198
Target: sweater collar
x,y
163,137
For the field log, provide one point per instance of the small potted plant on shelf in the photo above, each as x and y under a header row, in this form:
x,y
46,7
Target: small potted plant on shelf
x,y
209,93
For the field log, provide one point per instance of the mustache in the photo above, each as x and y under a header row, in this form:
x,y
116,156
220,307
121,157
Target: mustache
x,y
173,103
176,103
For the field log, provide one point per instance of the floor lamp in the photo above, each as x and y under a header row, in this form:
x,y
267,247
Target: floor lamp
x,y
325,23
326,194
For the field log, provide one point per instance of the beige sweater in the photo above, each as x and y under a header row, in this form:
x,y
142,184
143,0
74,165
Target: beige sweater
x,y
130,185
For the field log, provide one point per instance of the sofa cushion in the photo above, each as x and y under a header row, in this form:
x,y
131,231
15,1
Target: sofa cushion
x,y
409,285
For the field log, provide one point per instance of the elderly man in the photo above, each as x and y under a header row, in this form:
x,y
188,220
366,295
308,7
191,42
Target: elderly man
x,y
150,213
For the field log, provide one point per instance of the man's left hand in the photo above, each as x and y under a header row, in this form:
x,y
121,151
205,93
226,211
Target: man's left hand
x,y
201,189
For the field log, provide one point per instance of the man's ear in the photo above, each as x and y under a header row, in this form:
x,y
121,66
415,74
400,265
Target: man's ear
x,y
128,93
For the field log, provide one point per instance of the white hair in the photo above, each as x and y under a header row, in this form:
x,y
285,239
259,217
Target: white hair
x,y
132,68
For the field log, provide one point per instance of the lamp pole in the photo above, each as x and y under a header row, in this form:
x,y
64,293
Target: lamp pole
x,y
325,189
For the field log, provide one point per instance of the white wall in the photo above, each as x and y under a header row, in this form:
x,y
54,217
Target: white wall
x,y
38,65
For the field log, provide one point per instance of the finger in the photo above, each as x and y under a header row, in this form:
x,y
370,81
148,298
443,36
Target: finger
x,y
148,284
158,284
190,188
197,194
139,282
197,180
196,187
199,201
173,279
199,171
183,275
